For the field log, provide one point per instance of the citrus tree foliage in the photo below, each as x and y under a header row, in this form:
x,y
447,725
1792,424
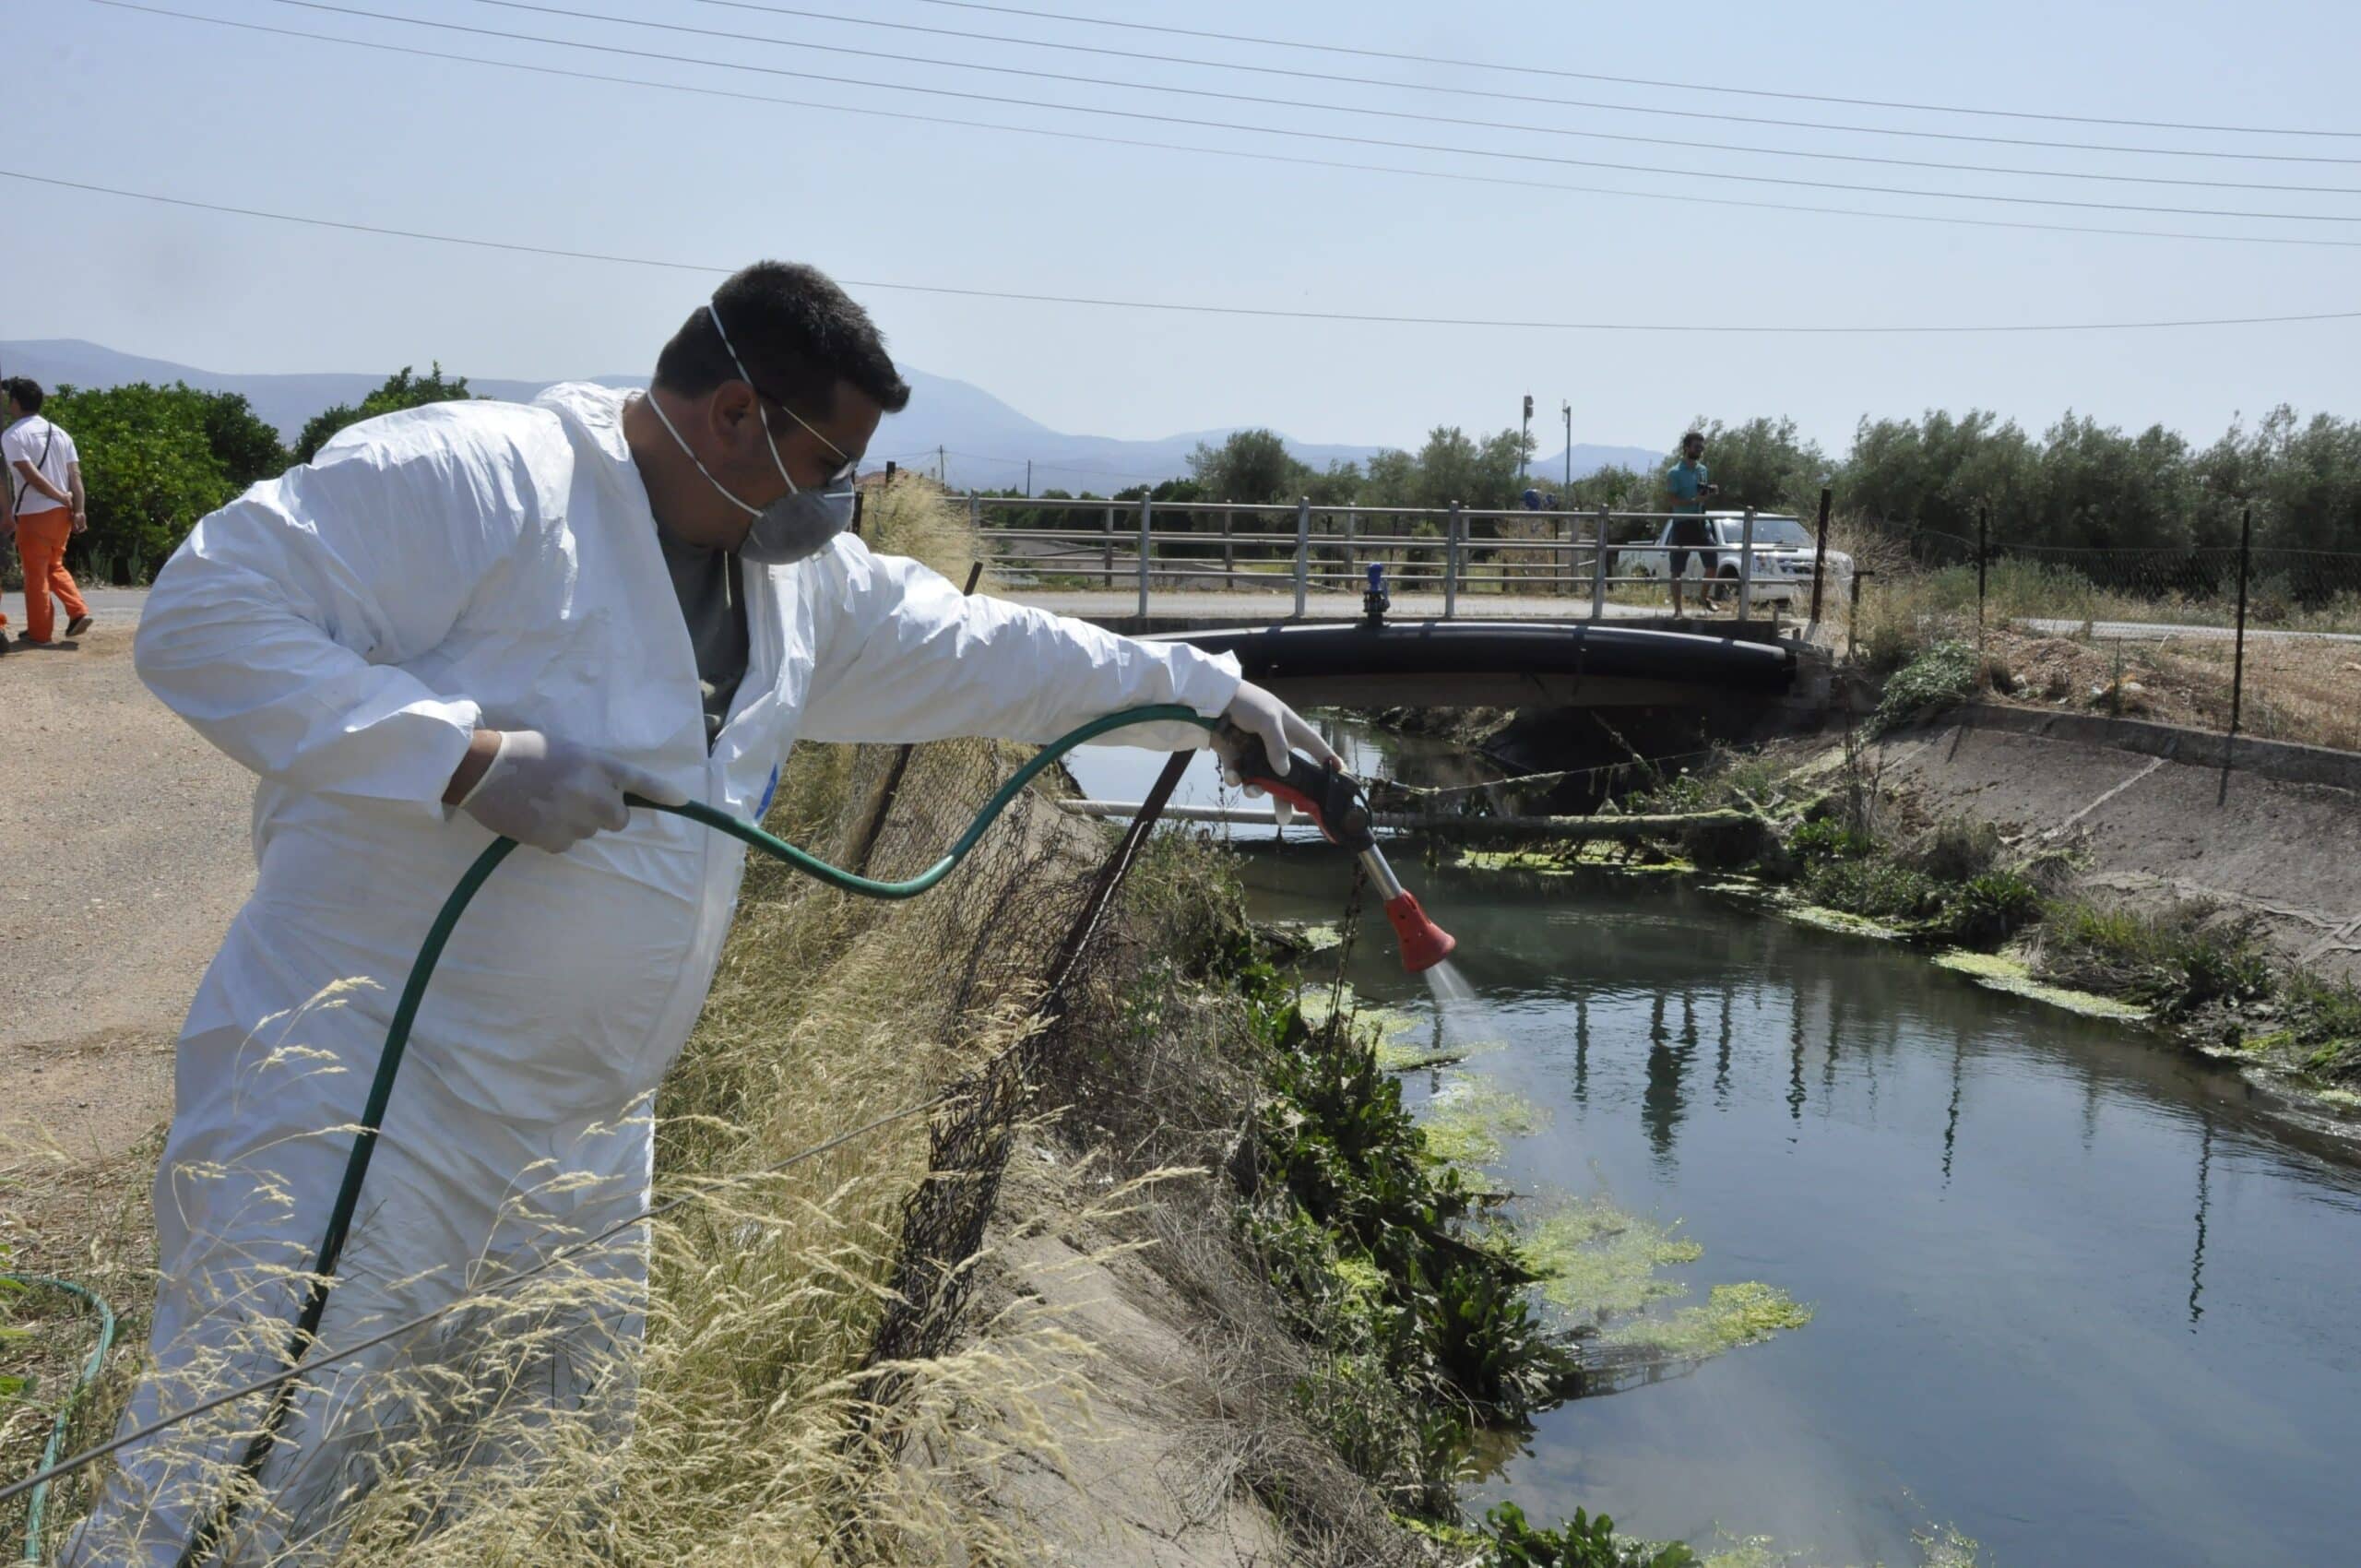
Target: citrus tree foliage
x,y
403,389
154,460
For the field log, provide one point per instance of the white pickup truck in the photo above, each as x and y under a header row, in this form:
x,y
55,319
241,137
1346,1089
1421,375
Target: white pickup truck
x,y
1783,559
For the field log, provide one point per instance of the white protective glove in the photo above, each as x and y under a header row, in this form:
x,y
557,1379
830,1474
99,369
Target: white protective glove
x,y
552,795
1279,727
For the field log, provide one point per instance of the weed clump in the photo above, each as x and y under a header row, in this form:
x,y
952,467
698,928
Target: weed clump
x,y
1943,674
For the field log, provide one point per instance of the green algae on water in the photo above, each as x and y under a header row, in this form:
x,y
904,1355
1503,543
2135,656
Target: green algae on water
x,y
1940,1547
1825,919
1467,1120
1732,1315
1598,1262
1317,936
2010,975
1543,862
1318,1003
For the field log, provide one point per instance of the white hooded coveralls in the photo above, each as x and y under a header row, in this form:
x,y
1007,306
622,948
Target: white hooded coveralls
x,y
341,631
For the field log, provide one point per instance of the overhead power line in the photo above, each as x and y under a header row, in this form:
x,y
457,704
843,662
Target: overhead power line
x,y
1334,136
1243,154
1504,95
1178,307
1431,60
730,36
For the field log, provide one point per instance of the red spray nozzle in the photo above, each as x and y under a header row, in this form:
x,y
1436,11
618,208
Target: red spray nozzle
x,y
1424,944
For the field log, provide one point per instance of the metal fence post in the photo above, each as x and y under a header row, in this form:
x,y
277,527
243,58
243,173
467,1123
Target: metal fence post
x,y
1228,552
2238,657
1302,551
1451,564
1599,569
1820,560
1147,516
976,517
1106,552
1746,568
1983,555
1853,617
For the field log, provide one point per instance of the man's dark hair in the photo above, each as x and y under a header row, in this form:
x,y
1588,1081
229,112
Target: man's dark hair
x,y
800,336
25,391
1696,436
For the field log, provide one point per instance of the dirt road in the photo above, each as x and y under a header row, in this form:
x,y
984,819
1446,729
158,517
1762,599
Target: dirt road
x,y
123,856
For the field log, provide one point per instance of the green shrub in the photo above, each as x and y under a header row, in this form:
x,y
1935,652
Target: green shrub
x,y
1985,911
1876,888
1826,838
1940,676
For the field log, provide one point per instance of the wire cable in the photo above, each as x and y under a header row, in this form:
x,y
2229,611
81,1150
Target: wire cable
x,y
1297,134
1430,61
1244,154
1371,318
1502,95
538,6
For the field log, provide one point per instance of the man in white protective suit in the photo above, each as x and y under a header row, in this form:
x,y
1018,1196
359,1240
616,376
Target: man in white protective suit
x,y
482,618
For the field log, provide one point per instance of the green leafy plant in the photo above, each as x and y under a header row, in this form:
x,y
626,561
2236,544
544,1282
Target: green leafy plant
x,y
1938,677
1985,911
1585,1541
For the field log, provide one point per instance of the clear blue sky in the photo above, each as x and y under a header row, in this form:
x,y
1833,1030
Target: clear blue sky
x,y
141,102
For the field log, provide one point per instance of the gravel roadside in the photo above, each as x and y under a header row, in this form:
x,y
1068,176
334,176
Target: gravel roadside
x,y
124,854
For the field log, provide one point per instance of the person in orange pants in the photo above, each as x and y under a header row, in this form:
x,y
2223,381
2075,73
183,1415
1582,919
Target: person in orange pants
x,y
40,542
44,477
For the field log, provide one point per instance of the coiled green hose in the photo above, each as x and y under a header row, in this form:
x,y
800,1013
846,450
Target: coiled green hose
x,y
38,1503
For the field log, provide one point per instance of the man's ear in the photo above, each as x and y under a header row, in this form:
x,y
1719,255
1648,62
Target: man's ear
x,y
731,416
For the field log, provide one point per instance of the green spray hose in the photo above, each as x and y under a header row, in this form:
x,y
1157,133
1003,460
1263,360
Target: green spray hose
x,y
38,1503
381,1089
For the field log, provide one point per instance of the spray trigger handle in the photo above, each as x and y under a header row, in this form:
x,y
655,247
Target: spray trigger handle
x,y
1322,791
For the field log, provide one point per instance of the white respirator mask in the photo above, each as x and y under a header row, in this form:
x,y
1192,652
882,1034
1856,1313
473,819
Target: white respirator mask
x,y
798,524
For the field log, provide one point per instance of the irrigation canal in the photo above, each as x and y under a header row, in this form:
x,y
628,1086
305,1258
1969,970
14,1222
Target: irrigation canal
x,y
2077,1296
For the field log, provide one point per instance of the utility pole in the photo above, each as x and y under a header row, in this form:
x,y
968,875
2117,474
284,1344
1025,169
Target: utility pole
x,y
1524,439
942,467
1028,478
1567,410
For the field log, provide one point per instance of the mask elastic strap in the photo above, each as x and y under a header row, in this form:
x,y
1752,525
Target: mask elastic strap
x,y
734,501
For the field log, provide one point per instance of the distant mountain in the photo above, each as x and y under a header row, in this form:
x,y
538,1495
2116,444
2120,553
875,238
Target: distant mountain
x,y
1588,460
974,437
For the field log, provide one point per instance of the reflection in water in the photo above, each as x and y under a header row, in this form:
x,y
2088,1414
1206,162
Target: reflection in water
x,y
1795,1057
2204,1200
1664,1102
1582,1048
1828,1063
1951,1117
1722,1058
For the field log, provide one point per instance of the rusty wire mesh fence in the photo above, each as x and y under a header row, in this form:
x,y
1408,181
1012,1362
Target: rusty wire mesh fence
x,y
2257,641
1026,945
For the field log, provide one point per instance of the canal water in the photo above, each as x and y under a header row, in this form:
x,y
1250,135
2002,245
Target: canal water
x,y
2076,1295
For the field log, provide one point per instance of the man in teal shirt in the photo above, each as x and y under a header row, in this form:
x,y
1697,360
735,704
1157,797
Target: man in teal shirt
x,y
1685,490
